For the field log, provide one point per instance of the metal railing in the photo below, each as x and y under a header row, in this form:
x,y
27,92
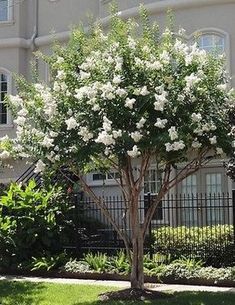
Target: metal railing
x,y
198,225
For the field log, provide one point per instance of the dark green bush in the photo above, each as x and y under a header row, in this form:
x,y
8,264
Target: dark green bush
x,y
32,223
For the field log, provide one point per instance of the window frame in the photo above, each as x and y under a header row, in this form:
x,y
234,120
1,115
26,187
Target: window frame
x,y
8,74
9,19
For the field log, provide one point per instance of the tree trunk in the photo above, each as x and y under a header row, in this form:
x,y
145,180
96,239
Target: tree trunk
x,y
137,268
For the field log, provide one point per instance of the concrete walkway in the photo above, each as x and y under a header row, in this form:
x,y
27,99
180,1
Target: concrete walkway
x,y
121,284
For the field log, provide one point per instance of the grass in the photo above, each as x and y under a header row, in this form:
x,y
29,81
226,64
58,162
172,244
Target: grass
x,y
25,293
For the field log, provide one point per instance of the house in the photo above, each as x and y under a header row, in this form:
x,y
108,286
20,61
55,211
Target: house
x,y
27,26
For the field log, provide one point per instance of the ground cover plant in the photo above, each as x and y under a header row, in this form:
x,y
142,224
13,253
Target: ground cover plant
x,y
124,97
25,293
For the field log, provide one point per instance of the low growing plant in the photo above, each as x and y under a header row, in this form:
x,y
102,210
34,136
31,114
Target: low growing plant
x,y
48,263
98,262
75,266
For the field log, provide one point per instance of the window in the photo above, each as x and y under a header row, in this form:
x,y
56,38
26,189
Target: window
x,y
152,181
212,43
152,184
189,185
108,176
4,10
214,189
3,91
188,201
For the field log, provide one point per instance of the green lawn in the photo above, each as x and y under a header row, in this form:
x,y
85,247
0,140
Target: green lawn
x,y
19,293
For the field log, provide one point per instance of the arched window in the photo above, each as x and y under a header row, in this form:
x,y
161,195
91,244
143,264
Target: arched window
x,y
4,90
212,43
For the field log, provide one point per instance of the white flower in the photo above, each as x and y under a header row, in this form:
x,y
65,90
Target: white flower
x,y
63,87
60,60
173,133
144,91
53,134
146,49
105,138
196,144
47,142
4,155
107,124
129,103
56,87
50,109
196,117
178,145
57,158
175,146
40,167
160,101
23,112
117,133
20,120
219,151
117,79
60,74
131,43
169,147
141,123
222,87
71,123
213,140
84,75
15,101
85,134
165,57
136,136
156,65
121,92
39,87
96,107
191,80
134,152
160,123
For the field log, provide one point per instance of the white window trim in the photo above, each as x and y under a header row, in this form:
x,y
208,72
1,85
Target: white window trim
x,y
9,124
10,14
105,182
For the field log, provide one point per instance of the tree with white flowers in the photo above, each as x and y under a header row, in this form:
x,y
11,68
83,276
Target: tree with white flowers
x,y
119,98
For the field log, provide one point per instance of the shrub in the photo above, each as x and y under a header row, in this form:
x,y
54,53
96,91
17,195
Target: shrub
x,y
213,244
31,223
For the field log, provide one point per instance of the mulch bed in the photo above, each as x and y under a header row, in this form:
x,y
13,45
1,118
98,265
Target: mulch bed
x,y
131,294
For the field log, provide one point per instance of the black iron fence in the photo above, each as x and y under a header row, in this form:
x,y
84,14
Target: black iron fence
x,y
198,225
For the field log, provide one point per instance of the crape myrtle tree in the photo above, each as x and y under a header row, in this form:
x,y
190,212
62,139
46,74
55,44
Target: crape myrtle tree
x,y
120,97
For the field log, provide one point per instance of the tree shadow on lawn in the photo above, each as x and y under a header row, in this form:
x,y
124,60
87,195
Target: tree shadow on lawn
x,y
20,293
180,298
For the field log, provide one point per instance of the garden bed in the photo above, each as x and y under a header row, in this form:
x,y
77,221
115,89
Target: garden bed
x,y
119,277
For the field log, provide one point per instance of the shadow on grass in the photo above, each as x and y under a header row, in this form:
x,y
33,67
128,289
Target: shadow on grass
x,y
20,293
182,298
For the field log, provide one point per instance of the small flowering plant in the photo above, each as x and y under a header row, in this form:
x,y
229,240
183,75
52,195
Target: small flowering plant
x,y
121,98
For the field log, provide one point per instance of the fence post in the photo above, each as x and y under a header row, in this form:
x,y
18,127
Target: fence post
x,y
233,200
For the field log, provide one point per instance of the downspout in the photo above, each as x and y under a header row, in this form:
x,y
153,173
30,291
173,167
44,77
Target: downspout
x,y
35,33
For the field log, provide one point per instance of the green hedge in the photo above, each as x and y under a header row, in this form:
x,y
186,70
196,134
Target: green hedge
x,y
212,244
